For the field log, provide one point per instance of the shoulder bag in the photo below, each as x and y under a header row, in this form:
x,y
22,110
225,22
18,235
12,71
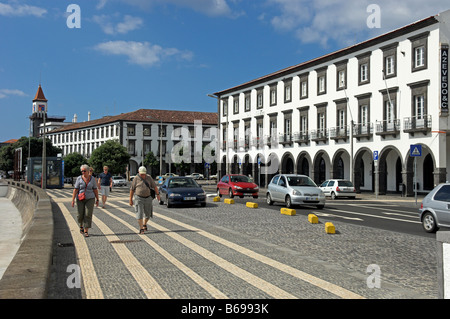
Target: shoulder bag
x,y
82,196
152,191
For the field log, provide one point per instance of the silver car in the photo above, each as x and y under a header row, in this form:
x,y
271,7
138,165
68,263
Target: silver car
x,y
294,190
434,211
338,188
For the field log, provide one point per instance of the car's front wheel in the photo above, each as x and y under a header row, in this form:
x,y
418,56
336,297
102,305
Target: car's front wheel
x,y
230,193
269,199
429,223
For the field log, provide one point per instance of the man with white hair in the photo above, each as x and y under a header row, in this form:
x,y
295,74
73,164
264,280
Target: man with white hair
x,y
142,189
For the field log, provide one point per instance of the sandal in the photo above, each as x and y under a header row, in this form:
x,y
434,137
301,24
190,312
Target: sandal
x,y
142,232
145,227
86,234
81,230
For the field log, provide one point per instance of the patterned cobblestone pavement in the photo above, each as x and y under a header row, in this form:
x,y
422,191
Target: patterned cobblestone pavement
x,y
231,251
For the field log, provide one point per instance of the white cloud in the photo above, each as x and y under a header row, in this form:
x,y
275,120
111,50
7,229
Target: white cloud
x,y
21,10
128,24
345,22
142,53
208,7
4,93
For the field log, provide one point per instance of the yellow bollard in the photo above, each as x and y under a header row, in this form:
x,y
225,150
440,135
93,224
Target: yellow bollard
x,y
329,228
288,211
251,205
228,201
313,219
216,199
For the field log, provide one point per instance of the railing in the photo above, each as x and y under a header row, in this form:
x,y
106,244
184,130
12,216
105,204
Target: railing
x,y
340,132
319,135
416,124
363,129
301,137
285,138
388,127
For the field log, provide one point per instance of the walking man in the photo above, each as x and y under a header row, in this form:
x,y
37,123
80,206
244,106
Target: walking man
x,y
105,182
142,186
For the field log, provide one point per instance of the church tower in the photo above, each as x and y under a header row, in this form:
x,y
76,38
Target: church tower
x,y
38,112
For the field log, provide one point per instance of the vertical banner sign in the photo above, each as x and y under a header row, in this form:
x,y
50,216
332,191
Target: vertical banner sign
x,y
444,80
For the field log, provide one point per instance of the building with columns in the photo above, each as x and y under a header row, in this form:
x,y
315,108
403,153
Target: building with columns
x,y
351,114
142,131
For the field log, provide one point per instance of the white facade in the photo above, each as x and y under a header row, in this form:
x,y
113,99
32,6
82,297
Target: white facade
x,y
302,116
140,132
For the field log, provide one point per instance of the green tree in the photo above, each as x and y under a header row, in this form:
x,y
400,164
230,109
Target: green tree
x,y
7,152
72,164
111,154
150,161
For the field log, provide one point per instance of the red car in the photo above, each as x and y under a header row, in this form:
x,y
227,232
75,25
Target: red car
x,y
237,185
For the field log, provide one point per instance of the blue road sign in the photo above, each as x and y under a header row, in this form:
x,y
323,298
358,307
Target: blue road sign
x,y
415,150
375,155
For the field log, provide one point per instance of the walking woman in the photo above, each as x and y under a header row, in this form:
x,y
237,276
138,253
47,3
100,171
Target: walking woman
x,y
86,193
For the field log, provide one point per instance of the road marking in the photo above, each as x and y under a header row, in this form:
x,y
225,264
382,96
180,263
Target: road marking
x,y
336,290
214,292
338,216
148,284
253,280
90,280
375,216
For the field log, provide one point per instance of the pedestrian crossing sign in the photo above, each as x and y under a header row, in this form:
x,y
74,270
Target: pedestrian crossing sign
x,y
415,150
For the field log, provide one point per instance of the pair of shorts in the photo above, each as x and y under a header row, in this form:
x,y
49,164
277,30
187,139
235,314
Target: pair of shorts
x,y
143,207
104,190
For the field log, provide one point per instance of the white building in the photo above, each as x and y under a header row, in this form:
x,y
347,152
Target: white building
x,y
328,116
143,131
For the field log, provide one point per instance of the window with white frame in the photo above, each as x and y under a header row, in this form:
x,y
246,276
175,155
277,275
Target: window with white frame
x,y
419,57
389,111
287,91
303,86
390,65
224,107
419,103
321,81
259,99
304,124
419,45
236,104
322,84
364,72
341,79
247,102
273,95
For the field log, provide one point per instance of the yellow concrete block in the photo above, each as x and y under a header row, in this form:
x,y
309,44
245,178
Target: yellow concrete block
x,y
288,211
216,199
228,201
313,219
251,205
329,228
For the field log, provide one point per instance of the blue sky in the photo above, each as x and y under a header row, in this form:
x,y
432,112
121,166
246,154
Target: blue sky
x,y
168,54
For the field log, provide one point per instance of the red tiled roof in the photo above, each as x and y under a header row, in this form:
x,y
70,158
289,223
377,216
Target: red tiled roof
x,y
11,141
148,115
40,95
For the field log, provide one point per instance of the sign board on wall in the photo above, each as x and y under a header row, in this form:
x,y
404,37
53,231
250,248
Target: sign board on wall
x,y
444,80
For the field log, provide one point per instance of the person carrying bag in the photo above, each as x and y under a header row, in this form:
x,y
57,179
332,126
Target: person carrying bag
x,y
143,189
86,194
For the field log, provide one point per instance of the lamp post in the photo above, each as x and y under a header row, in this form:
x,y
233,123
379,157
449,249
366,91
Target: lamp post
x,y
351,138
44,158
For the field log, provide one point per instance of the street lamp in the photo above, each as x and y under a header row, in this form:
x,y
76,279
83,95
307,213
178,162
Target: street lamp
x,y
351,136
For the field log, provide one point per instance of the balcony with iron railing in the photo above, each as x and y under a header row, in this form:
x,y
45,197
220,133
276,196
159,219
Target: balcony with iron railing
x,y
384,128
271,140
285,139
339,133
417,124
301,137
363,130
320,135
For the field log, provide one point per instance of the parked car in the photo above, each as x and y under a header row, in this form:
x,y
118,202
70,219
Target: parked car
x,y
182,190
196,176
119,181
237,185
294,189
338,188
434,211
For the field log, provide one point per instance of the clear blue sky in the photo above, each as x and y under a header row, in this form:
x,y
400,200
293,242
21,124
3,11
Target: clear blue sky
x,y
168,54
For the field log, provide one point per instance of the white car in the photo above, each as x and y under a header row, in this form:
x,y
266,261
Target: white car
x,y
338,188
119,181
196,176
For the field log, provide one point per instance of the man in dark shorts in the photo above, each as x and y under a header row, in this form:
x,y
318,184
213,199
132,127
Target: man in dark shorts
x,y
105,182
